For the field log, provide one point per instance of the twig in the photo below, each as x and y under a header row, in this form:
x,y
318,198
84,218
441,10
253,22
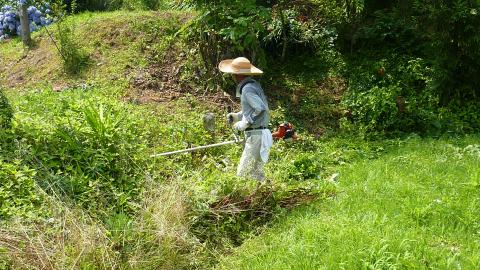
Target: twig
x,y
55,43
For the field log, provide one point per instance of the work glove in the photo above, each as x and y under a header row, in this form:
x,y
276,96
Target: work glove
x,y
233,117
241,125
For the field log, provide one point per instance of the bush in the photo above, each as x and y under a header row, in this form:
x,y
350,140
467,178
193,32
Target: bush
x,y
391,94
6,112
73,56
254,28
421,72
10,19
455,48
228,29
90,154
18,196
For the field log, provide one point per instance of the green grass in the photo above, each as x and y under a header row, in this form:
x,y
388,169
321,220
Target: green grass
x,y
414,205
417,207
117,44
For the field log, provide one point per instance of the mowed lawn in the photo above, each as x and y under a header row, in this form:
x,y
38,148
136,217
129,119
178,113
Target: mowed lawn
x,y
417,207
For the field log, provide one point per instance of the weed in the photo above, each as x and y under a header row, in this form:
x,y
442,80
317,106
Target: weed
x,y
75,59
18,194
6,112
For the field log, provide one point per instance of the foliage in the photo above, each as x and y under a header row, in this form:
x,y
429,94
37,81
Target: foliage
x,y
258,29
6,112
18,194
390,95
74,57
116,207
455,49
308,26
88,150
405,83
226,28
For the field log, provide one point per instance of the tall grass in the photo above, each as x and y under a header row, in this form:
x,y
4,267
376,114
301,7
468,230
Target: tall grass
x,y
106,203
158,238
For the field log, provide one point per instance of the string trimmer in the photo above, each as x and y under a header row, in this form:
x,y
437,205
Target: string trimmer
x,y
285,131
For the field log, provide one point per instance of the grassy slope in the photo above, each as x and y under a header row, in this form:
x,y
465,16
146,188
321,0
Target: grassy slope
x,y
386,215
416,208
120,45
117,42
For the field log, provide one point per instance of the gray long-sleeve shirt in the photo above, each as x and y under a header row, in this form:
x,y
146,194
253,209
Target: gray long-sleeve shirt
x,y
254,103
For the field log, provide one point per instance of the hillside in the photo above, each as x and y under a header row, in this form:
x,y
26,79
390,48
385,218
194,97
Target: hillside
x,y
78,154
83,192
134,50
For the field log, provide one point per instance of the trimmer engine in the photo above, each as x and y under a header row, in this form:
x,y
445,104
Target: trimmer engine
x,y
285,131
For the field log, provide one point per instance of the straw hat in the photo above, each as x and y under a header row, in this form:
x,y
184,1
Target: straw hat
x,y
240,65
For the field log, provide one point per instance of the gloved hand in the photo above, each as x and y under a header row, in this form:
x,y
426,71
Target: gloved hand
x,y
233,117
241,125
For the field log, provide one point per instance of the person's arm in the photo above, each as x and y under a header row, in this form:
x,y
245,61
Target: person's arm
x,y
234,117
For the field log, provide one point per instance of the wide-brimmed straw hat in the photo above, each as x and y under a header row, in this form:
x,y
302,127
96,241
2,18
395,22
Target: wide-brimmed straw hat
x,y
240,65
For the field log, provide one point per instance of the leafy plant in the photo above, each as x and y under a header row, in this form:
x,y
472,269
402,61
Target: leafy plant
x,y
89,154
6,112
74,57
226,28
426,91
455,48
18,195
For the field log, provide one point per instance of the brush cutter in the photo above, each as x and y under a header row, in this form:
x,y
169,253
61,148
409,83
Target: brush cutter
x,y
285,132
198,148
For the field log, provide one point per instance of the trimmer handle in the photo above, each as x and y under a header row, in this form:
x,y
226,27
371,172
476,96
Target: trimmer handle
x,y
230,118
236,134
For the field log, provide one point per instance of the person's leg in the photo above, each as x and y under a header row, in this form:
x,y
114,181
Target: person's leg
x,y
258,173
247,160
251,164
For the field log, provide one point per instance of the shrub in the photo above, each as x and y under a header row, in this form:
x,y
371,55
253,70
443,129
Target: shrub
x,y
18,196
89,154
391,94
73,56
10,19
227,29
455,48
423,63
6,112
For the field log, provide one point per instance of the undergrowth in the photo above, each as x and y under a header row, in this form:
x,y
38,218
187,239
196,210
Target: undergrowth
x,y
80,189
79,160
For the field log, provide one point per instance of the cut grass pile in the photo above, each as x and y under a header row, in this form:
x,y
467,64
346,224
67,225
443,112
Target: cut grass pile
x,y
418,207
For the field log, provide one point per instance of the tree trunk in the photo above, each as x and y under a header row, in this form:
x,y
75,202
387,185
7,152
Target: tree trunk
x,y
27,40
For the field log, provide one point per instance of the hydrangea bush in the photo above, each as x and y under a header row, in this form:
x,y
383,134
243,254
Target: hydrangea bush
x,y
10,18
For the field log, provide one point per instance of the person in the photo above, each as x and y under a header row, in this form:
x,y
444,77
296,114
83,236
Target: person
x,y
253,119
